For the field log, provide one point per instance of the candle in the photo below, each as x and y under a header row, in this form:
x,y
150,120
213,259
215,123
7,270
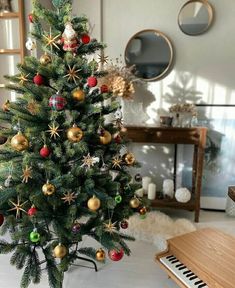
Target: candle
x,y
139,192
145,183
151,191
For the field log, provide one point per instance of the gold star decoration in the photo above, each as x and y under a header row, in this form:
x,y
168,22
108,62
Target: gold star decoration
x,y
72,74
17,207
117,162
27,173
54,130
69,197
89,161
103,59
110,227
23,78
33,107
118,123
51,41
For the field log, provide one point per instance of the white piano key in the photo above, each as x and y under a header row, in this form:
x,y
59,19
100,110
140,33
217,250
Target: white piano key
x,y
170,262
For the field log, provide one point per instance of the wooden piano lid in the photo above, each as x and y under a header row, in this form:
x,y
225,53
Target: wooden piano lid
x,y
209,253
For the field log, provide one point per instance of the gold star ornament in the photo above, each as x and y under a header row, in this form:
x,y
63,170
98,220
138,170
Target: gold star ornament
x,y
69,197
89,161
72,74
33,107
103,59
54,130
18,207
110,227
117,162
51,40
23,78
27,173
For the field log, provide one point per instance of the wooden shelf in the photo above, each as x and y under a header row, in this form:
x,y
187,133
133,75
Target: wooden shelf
x,y
174,204
9,15
195,136
10,51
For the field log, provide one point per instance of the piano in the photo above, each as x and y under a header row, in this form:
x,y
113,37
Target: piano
x,y
201,259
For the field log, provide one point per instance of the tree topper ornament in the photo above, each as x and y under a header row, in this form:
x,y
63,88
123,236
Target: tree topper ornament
x,y
69,38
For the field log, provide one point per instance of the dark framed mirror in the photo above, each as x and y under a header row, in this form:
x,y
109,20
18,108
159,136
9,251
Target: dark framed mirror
x,y
151,53
195,17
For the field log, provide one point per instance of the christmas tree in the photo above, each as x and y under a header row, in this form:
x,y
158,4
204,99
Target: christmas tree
x,y
56,164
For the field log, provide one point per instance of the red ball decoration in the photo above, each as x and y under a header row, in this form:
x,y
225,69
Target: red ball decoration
x,y
45,151
30,17
1,219
104,89
38,79
116,255
124,224
85,38
32,211
57,102
92,81
118,139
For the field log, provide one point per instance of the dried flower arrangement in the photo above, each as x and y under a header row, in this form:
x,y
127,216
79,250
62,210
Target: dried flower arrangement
x,y
119,79
184,108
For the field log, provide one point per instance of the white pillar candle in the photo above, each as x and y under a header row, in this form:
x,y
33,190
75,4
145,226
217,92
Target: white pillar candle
x,y
151,191
145,183
139,192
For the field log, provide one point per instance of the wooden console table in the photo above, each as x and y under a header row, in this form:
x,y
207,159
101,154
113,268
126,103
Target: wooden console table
x,y
169,135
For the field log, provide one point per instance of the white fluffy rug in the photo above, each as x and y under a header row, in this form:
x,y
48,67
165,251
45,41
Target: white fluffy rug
x,y
157,227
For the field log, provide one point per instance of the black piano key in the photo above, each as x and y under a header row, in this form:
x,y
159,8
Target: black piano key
x,y
186,272
190,274
171,259
182,267
179,265
198,282
169,256
193,277
175,261
202,285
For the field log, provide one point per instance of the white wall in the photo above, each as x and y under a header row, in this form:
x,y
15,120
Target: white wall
x,y
209,57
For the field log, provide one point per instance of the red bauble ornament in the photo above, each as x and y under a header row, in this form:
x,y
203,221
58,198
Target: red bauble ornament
x,y
91,81
104,89
30,17
85,38
118,139
38,79
124,224
1,219
116,255
45,151
32,211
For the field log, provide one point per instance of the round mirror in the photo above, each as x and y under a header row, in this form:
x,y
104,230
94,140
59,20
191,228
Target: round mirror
x,y
195,17
151,54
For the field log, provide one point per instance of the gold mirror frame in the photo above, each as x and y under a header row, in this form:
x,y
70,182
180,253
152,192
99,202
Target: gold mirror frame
x,y
210,14
169,66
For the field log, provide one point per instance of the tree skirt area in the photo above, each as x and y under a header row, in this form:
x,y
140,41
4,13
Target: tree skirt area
x,y
157,227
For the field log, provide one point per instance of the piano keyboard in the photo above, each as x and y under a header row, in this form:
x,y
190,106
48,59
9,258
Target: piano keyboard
x,y
187,277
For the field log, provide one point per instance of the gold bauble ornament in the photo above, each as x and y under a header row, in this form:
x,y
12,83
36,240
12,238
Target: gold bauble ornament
x,y
6,106
19,142
48,189
45,59
78,95
74,134
106,138
93,203
134,202
60,251
129,158
100,255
